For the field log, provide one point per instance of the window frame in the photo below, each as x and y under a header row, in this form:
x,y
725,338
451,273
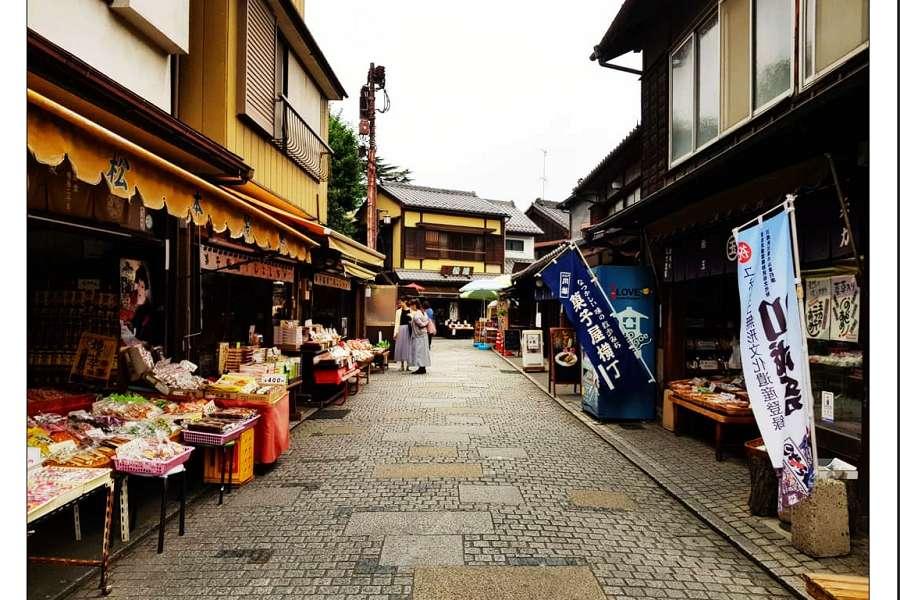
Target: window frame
x,y
754,112
514,240
806,80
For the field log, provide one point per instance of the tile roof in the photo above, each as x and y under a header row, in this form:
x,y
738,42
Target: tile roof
x,y
422,276
418,196
633,137
518,221
552,211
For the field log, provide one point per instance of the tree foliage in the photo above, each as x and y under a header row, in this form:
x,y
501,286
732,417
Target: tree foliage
x,y
386,172
347,184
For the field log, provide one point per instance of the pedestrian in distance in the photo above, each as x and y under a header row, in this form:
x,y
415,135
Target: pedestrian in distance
x,y
432,327
420,355
402,334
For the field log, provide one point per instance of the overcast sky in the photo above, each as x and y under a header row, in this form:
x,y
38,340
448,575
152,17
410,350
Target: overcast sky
x,y
479,88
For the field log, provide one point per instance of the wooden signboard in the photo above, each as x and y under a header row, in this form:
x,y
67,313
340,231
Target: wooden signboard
x,y
94,359
565,358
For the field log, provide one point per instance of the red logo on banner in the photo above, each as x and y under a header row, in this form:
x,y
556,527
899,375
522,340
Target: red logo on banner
x,y
744,253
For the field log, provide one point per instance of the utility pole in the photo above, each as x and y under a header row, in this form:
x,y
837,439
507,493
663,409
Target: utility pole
x,y
374,82
544,174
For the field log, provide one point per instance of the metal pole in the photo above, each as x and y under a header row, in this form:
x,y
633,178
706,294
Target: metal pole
x,y
371,212
798,286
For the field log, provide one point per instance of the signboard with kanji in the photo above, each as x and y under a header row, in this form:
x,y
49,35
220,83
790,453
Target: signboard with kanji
x,y
94,359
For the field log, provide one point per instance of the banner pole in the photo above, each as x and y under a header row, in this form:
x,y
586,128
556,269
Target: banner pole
x,y
801,308
605,297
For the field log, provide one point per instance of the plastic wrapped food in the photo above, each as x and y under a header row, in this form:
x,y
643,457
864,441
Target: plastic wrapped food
x,y
150,449
233,414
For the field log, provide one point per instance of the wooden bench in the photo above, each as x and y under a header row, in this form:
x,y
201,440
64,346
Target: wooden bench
x,y
718,417
825,586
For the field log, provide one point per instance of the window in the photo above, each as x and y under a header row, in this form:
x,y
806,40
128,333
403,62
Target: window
x,y
833,31
302,93
773,28
683,99
737,63
256,57
634,197
515,245
708,82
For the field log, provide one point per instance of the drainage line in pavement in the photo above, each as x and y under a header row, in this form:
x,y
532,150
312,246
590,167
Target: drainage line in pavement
x,y
698,512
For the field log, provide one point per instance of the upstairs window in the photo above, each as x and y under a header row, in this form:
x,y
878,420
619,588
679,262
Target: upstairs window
x,y
833,31
734,65
257,64
515,245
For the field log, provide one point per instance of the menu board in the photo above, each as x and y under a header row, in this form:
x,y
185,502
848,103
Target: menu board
x,y
818,308
565,356
844,309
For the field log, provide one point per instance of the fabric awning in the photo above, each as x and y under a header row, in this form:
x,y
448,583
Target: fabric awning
x,y
353,270
354,251
96,154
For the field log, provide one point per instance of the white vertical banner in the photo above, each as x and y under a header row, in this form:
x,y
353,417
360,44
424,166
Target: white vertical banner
x,y
773,351
818,307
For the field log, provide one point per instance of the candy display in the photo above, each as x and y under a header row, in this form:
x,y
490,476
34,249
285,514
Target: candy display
x,y
178,376
235,383
233,414
150,449
46,484
130,407
838,359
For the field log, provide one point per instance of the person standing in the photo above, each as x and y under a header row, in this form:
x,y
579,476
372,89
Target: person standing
x,y
402,334
432,326
420,355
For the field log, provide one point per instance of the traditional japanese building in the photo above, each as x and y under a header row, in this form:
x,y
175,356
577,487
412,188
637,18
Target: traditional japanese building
x,y
553,222
742,103
520,235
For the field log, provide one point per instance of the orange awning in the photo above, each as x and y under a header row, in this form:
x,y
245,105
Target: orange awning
x,y
96,154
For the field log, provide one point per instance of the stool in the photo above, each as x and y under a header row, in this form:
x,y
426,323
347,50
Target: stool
x,y
164,484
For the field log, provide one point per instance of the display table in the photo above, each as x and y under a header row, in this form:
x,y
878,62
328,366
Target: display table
x,y
51,489
57,401
381,359
126,516
706,405
272,434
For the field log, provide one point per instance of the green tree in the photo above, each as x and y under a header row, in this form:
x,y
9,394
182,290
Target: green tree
x,y
346,186
391,173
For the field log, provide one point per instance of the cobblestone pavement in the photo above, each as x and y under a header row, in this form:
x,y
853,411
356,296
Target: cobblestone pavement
x,y
719,491
355,510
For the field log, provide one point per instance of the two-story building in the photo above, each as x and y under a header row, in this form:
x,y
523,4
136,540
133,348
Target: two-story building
x,y
185,145
520,234
440,239
742,103
612,186
552,220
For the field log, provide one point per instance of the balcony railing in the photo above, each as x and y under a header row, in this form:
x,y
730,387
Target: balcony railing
x,y
299,142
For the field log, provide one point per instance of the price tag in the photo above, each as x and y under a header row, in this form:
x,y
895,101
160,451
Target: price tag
x,y
272,379
828,407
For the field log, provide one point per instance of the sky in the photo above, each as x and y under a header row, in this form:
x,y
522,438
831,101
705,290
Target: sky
x,y
478,89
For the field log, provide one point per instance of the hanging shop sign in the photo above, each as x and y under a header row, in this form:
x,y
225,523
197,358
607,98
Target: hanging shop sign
x,y
94,359
844,309
332,281
818,307
456,271
621,371
773,352
233,263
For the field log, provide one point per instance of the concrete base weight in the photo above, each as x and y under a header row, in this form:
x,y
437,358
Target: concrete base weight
x,y
820,524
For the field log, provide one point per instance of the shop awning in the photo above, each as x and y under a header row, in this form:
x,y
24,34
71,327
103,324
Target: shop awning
x,y
356,271
353,251
97,155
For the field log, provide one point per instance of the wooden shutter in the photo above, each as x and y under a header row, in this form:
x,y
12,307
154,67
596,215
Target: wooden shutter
x,y
414,240
432,244
257,64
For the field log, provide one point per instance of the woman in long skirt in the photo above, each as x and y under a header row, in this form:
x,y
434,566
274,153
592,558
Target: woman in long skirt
x,y
420,355
402,332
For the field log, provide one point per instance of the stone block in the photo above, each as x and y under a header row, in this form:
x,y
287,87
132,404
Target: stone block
x,y
820,524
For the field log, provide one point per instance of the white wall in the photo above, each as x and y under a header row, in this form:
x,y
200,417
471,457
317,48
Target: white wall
x,y
527,254
579,215
93,32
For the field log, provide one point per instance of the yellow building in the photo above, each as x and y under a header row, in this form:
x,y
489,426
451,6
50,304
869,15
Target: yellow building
x,y
439,239
257,83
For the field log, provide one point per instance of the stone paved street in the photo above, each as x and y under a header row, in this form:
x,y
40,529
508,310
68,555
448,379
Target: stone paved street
x,y
468,482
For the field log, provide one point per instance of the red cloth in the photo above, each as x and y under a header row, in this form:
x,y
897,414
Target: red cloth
x,y
271,436
56,401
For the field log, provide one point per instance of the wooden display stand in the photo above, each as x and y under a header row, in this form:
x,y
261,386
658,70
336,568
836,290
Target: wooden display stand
x,y
719,417
825,586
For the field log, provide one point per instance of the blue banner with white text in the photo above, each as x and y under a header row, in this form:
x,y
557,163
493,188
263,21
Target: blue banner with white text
x,y
620,371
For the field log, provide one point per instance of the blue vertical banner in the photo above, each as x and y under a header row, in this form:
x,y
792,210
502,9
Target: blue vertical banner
x,y
620,370
773,353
